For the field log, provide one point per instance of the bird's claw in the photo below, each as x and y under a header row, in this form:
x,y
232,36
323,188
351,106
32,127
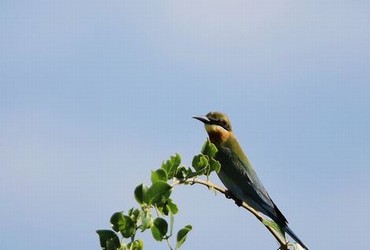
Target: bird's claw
x,y
238,202
230,195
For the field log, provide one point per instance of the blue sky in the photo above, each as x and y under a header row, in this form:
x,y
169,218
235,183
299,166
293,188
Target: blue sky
x,y
95,94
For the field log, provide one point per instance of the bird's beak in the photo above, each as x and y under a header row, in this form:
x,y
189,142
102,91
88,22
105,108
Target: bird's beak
x,y
203,119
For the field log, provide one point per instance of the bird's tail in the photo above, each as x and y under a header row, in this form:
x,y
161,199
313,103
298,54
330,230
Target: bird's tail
x,y
294,237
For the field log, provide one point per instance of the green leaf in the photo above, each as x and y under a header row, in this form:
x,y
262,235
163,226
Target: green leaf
x,y
185,173
209,149
108,237
181,235
111,245
214,165
172,219
175,160
136,245
140,192
158,192
274,225
123,246
163,208
171,165
117,221
192,174
181,172
124,224
146,220
134,214
159,229
159,175
172,207
200,162
130,227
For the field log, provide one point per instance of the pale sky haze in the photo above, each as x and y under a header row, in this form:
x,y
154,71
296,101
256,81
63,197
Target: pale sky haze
x,y
95,94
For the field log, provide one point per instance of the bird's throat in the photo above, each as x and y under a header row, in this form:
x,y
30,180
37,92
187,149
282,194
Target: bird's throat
x,y
217,135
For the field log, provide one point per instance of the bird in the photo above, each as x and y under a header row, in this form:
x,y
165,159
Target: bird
x,y
237,173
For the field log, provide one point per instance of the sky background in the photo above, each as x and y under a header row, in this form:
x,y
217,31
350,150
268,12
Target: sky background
x,y
95,94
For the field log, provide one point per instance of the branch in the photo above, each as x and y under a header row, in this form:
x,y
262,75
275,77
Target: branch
x,y
210,185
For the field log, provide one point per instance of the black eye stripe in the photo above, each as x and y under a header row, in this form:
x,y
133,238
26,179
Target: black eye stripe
x,y
226,126
220,122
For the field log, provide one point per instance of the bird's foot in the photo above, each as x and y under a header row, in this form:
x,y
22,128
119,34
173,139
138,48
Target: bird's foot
x,y
230,195
238,202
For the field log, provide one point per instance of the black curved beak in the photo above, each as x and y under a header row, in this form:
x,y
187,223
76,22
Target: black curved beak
x,y
203,119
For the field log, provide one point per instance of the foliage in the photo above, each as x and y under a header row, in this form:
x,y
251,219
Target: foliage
x,y
157,210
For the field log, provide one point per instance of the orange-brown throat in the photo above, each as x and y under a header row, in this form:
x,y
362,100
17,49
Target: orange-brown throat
x,y
217,134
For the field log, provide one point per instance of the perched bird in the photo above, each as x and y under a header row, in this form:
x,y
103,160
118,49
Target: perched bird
x,y
237,174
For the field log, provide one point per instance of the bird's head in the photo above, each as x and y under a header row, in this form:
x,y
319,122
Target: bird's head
x,y
217,125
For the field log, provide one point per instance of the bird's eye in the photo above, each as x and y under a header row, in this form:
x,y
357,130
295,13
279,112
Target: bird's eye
x,y
224,124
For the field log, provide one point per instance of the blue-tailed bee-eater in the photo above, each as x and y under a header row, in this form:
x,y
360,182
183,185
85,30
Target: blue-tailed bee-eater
x,y
237,174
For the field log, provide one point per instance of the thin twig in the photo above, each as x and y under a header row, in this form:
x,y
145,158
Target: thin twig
x,y
277,236
169,244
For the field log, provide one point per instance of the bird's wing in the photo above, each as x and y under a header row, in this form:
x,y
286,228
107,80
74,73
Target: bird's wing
x,y
249,183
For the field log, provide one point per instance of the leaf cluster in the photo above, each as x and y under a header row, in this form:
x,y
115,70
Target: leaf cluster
x,y
157,210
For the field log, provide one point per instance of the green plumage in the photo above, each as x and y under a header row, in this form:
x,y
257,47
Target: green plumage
x,y
237,174
240,178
